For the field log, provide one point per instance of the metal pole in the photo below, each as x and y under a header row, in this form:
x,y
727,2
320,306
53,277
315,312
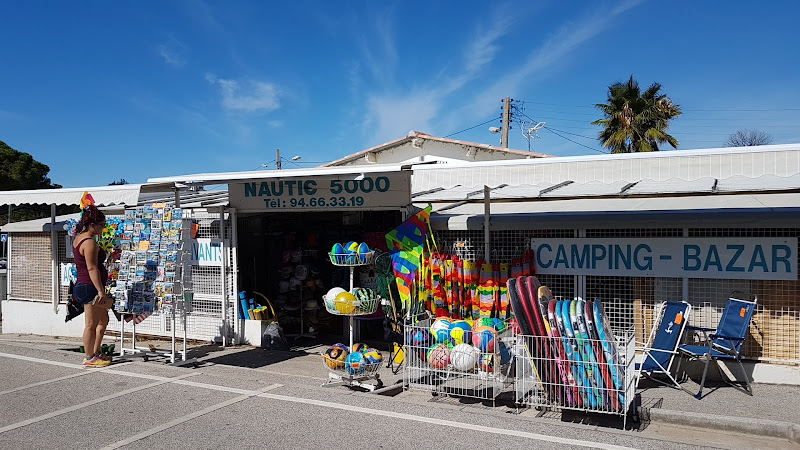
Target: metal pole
x,y
54,255
486,231
279,159
235,269
224,277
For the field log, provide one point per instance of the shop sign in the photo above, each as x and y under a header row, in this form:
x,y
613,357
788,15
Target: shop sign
x,y
323,193
728,258
207,252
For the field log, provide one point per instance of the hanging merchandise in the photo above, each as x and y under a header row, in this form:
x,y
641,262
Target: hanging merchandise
x,y
406,247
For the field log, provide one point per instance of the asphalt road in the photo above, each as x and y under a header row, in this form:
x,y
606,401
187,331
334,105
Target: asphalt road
x,y
47,400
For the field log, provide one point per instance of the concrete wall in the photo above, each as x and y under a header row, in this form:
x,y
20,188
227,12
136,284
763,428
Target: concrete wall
x,y
26,317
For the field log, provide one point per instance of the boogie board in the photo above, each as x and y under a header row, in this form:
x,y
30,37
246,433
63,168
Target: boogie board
x,y
578,309
550,374
558,347
516,287
609,343
571,343
608,394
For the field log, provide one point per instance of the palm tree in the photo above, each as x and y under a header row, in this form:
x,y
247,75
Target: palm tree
x,y
636,121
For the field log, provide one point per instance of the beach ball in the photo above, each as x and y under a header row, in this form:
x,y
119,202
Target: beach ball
x,y
438,356
498,325
330,297
337,249
355,363
460,332
351,247
420,337
359,347
341,346
363,252
484,338
345,303
372,356
335,357
464,357
440,330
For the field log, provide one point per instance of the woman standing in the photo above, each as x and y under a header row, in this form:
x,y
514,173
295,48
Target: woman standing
x,y
90,286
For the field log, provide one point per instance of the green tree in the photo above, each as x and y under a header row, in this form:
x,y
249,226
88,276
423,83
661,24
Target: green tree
x,y
18,170
636,121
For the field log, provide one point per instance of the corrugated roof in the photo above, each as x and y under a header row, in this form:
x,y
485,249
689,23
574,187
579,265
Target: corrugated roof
x,y
126,194
703,185
762,183
537,214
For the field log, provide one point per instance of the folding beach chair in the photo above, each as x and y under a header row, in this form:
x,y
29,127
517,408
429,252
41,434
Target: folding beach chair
x,y
724,343
663,342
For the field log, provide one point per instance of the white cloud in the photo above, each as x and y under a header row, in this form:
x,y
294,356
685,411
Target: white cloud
x,y
389,118
275,124
251,96
173,52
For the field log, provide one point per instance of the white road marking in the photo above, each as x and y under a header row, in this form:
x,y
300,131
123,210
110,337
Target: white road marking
x,y
245,393
59,412
186,418
447,423
28,386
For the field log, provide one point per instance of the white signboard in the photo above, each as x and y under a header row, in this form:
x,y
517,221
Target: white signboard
x,y
207,252
729,258
323,193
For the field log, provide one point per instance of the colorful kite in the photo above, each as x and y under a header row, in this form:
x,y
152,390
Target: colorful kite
x,y
406,245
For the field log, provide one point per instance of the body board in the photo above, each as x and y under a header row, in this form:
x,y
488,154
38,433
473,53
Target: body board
x,y
609,343
609,396
578,308
571,342
558,346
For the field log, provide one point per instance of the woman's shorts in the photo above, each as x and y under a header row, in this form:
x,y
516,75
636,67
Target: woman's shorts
x,y
84,293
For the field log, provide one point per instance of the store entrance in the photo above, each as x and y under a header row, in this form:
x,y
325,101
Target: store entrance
x,y
285,257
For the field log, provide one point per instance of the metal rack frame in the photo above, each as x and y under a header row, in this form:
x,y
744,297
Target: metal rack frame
x,y
337,377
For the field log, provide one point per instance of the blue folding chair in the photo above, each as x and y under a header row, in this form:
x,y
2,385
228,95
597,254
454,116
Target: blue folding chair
x,y
663,342
724,343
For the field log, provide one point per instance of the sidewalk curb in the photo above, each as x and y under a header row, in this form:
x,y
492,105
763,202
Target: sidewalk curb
x,y
761,427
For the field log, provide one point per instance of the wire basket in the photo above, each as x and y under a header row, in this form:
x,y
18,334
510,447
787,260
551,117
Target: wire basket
x,y
342,368
353,308
351,259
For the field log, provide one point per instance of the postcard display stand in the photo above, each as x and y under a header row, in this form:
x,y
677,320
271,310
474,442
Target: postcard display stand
x,y
344,374
154,275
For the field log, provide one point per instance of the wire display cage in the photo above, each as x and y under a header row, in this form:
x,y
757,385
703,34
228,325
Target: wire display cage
x,y
592,375
351,259
352,308
471,363
346,369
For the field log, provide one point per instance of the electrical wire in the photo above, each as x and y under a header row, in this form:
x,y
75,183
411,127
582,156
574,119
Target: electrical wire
x,y
575,142
470,128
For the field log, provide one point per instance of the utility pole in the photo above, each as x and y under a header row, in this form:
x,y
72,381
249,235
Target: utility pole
x,y
279,159
506,122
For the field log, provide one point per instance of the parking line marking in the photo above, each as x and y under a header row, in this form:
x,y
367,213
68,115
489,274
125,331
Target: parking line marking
x,y
28,386
245,393
89,403
447,423
188,417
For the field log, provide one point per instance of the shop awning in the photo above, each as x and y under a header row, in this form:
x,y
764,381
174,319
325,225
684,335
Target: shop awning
x,y
126,194
758,209
38,225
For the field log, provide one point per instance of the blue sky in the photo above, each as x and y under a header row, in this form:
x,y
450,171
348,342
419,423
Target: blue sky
x,y
104,90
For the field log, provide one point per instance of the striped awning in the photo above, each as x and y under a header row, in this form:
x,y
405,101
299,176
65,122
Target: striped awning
x,y
126,194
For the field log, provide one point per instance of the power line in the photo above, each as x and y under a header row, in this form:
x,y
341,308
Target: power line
x,y
470,128
574,142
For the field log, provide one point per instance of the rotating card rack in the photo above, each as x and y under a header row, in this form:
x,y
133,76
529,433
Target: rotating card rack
x,y
136,299
339,374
